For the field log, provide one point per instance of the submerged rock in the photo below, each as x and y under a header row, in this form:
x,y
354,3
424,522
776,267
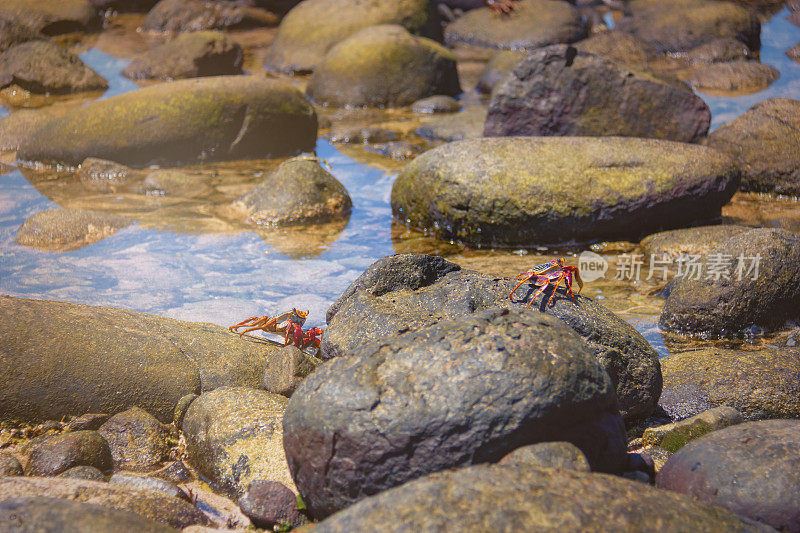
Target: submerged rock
x,y
361,135
51,18
176,182
137,440
467,124
559,90
720,50
460,392
383,66
765,141
217,118
190,55
314,26
199,15
527,191
751,469
745,76
45,67
102,174
51,455
68,229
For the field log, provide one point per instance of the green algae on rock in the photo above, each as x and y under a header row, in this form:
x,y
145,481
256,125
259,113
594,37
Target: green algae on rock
x,y
314,26
203,119
525,191
383,66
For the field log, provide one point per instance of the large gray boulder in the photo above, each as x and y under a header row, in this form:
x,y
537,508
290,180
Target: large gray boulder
x,y
457,393
559,90
524,191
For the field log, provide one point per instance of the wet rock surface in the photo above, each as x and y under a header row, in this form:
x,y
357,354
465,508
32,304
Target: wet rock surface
x,y
720,50
299,191
269,504
436,104
173,182
9,465
761,383
559,90
287,370
234,436
51,18
138,441
361,135
89,473
68,229
190,55
746,76
196,15
407,292
676,435
480,497
753,282
527,191
701,240
621,48
467,124
51,455
765,141
554,455
752,469
313,27
90,421
216,118
148,483
383,66
497,69
481,386
103,175
45,67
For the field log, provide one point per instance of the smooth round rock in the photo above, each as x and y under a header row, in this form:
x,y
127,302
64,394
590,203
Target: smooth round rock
x,y
313,27
752,469
52,454
528,191
51,18
91,421
138,441
149,483
457,393
203,119
44,67
436,104
84,472
68,229
9,465
699,240
555,455
734,76
383,66
467,124
199,15
269,504
720,50
190,55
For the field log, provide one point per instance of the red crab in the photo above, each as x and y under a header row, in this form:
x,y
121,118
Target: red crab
x,y
542,275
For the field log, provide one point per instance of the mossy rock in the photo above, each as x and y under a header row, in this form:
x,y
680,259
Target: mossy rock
x,y
45,67
216,118
314,26
51,17
525,191
190,55
383,66
675,436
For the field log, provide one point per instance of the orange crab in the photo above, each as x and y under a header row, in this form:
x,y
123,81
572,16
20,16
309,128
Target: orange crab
x,y
546,273
502,7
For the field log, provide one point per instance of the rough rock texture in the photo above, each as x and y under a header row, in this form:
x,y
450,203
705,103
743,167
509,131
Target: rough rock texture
x,y
68,229
680,25
299,191
536,23
91,421
436,104
190,55
45,67
753,469
744,76
137,440
287,370
52,454
676,435
559,90
554,455
12,32
720,50
269,504
485,497
9,465
84,472
765,141
147,504
109,359
176,182
621,48
700,240
33,514
407,292
49,17
719,306
383,66
221,117
234,435
467,124
314,26
149,483
457,393
527,191
20,124
760,383
199,15
103,175
125,5
497,69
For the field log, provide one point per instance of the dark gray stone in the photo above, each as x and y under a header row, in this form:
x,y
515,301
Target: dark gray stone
x,y
269,504
52,454
138,441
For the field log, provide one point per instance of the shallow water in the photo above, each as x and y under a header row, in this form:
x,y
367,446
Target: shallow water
x,y
185,259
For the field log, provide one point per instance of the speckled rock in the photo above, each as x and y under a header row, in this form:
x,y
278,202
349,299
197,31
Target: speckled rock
x,y
621,48
680,25
299,191
481,386
55,514
497,69
467,124
9,465
752,469
287,370
554,455
720,50
488,497
672,437
734,76
524,191
51,18
137,440
234,435
147,504
12,32
20,124
559,90
103,175
90,421
199,15
215,118
383,66
537,23
269,504
52,454
149,483
700,240
761,383
313,27
109,359
89,473
407,292
190,55
726,307
436,104
45,67
68,229
765,141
